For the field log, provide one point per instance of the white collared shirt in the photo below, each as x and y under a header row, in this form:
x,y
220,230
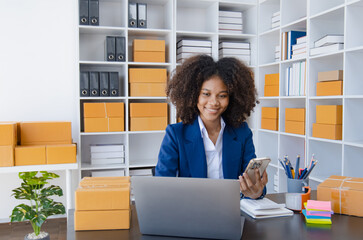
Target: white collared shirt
x,y
213,152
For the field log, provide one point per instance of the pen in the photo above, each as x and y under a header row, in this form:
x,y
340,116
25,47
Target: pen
x,y
303,173
283,166
288,169
297,167
308,173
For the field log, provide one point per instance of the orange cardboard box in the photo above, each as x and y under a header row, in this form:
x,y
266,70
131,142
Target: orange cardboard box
x,y
271,91
149,45
270,124
329,88
345,194
6,156
95,125
148,123
116,124
148,110
329,131
61,154
102,220
115,109
8,134
143,56
104,181
102,198
330,75
147,89
147,75
295,127
45,133
295,114
329,114
94,110
272,79
270,112
30,155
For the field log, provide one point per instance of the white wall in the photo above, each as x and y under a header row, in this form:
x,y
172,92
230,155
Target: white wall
x,y
38,71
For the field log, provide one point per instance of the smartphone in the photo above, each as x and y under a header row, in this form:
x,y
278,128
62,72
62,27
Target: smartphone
x,y
259,163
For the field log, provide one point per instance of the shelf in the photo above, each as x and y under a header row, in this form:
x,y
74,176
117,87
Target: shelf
x,y
353,49
268,98
236,36
50,167
147,98
148,32
195,34
327,54
293,60
297,25
292,135
102,63
102,98
101,133
267,131
353,96
325,140
328,11
354,144
101,30
269,64
87,166
326,97
140,163
149,64
270,31
146,132
292,97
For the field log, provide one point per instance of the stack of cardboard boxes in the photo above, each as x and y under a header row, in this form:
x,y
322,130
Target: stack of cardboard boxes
x,y
8,141
102,203
147,82
149,50
295,120
270,118
330,83
328,122
271,88
148,116
103,117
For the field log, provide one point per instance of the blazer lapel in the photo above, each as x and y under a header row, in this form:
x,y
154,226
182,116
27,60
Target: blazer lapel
x,y
231,153
195,152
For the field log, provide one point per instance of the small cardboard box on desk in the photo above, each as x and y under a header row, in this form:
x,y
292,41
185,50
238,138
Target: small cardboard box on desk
x,y
345,194
103,203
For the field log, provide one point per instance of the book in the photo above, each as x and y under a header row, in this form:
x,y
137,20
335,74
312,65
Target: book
x,y
230,14
275,19
241,45
276,14
264,208
230,20
291,40
194,50
299,46
229,31
227,51
275,24
301,40
230,26
328,40
107,161
326,49
108,154
107,148
194,43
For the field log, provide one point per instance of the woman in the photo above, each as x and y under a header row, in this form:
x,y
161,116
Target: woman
x,y
213,100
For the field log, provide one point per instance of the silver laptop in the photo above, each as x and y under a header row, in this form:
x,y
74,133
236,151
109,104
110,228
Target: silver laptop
x,y
188,207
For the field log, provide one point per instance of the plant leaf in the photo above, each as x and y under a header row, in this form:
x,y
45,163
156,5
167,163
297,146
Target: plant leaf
x,y
51,190
22,212
54,208
27,175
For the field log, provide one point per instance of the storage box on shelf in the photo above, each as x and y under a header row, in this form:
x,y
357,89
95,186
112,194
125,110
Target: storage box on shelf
x,y
270,118
295,120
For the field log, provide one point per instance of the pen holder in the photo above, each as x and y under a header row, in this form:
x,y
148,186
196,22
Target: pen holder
x,y
295,201
296,185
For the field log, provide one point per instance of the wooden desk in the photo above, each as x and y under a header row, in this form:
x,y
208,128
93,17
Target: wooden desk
x,y
293,227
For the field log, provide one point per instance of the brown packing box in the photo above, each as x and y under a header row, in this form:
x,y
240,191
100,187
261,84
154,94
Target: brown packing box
x,y
149,56
116,124
330,75
329,131
115,109
45,133
149,50
8,134
270,112
148,110
102,181
148,123
270,124
345,194
30,155
295,114
147,75
295,127
271,91
61,154
6,156
272,79
95,125
147,89
102,220
329,114
103,198
329,88
94,110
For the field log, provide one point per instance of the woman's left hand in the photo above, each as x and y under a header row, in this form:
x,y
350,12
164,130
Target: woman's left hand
x,y
253,190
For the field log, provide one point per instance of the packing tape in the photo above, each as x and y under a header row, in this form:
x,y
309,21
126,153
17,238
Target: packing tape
x,y
338,194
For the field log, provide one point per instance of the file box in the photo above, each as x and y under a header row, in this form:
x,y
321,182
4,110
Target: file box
x,y
30,155
148,116
329,114
295,127
330,75
295,114
95,125
329,88
148,123
329,131
270,124
61,154
102,220
8,134
270,112
6,156
272,79
271,91
149,50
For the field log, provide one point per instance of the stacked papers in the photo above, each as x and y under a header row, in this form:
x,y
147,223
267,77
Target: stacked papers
x,y
317,212
105,154
230,22
239,50
190,47
299,49
275,20
327,44
264,208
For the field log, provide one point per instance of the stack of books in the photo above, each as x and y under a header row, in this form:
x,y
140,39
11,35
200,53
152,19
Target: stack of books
x,y
275,20
190,47
238,50
264,208
299,49
106,154
288,40
277,53
230,22
317,212
295,79
328,44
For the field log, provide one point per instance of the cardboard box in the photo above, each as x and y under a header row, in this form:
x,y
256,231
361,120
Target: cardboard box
x,y
116,124
61,154
330,76
147,75
94,110
270,124
271,91
102,181
329,88
345,194
295,114
95,125
272,79
329,131
329,114
295,127
102,220
45,133
115,110
148,123
8,134
30,155
6,156
270,112
149,56
149,50
102,198
147,89
148,110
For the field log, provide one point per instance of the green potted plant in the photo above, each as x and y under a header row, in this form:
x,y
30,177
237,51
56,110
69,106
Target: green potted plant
x,y
41,206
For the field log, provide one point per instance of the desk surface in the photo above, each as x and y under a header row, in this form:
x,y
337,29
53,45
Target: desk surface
x,y
293,227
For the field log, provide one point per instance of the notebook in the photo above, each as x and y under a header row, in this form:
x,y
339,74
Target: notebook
x,y
264,208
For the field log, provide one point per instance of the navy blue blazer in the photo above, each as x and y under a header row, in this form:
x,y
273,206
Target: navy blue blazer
x,y
182,151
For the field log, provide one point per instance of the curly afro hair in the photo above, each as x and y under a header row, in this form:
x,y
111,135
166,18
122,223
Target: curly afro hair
x,y
184,87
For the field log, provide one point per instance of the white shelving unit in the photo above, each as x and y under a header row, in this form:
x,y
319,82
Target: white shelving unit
x,y
317,18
